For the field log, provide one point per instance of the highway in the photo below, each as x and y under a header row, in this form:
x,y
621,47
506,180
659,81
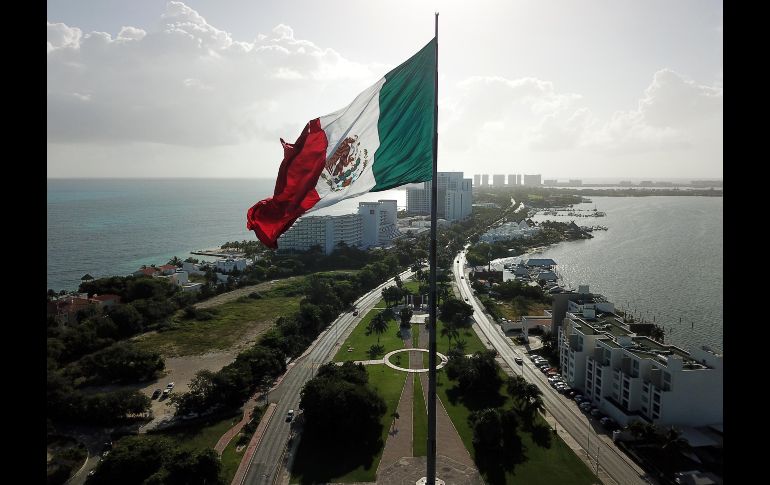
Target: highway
x,y
612,461
267,461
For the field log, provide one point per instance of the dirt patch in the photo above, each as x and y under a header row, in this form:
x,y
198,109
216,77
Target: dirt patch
x,y
180,371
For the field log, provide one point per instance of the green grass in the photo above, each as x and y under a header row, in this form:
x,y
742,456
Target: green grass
x,y
311,467
419,421
231,322
415,335
473,343
231,458
360,342
541,466
202,435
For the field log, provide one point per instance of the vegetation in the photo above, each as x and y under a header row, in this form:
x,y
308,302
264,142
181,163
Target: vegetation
x,y
157,460
355,405
66,456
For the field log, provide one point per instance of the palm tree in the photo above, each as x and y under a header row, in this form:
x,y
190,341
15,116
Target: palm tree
x,y
175,261
378,325
449,331
516,386
406,316
533,400
460,345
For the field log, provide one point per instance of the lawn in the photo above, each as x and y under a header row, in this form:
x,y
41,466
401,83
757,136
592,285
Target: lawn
x,y
472,343
542,464
314,464
360,342
204,434
230,323
231,458
420,421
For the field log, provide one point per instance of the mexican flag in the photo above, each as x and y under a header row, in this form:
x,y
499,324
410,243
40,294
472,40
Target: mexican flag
x,y
381,140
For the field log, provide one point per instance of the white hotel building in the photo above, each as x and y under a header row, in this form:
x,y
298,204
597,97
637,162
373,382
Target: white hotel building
x,y
630,377
374,225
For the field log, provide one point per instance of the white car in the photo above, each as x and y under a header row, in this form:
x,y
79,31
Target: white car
x,y
290,416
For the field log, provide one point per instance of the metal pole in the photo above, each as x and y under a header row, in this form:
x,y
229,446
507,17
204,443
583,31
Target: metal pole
x,y
431,472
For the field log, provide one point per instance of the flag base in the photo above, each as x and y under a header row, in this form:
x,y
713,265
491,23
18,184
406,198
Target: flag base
x,y
424,480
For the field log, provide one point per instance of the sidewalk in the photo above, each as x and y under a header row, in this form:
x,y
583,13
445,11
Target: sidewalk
x,y
399,443
252,447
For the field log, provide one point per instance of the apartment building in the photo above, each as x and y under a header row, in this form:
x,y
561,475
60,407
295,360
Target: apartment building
x,y
630,377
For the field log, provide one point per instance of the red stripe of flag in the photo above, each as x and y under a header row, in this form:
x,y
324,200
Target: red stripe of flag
x,y
295,190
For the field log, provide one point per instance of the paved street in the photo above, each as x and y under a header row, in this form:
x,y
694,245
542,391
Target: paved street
x,y
268,459
614,466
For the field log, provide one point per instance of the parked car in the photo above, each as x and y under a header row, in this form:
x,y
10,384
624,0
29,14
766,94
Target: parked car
x,y
609,423
596,413
289,415
578,397
518,360
166,392
462,277
156,393
585,406
170,385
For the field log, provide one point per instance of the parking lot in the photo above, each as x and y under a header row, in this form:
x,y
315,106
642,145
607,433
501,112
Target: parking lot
x,y
583,403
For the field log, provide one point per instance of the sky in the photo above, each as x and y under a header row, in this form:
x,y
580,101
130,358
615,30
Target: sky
x,y
206,88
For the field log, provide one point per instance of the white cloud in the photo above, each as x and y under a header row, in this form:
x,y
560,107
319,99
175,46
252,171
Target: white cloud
x,y
532,115
188,83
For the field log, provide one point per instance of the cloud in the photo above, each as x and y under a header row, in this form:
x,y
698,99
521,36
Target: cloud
x,y
530,114
187,83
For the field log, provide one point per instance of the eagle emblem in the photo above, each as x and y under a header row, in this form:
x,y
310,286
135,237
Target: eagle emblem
x,y
345,165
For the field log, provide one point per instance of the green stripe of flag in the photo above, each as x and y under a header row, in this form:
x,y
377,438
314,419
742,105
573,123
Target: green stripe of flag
x,y
405,125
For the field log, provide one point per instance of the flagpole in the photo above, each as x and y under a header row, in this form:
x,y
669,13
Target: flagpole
x,y
431,472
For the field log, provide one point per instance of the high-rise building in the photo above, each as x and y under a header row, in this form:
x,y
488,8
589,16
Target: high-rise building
x,y
454,195
477,180
511,180
532,180
498,180
378,221
484,180
551,182
575,182
518,179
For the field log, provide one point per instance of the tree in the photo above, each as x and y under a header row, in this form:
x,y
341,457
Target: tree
x,y
449,331
406,316
378,326
455,311
175,261
521,305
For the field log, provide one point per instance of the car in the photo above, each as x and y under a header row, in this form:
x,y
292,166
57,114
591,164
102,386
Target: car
x,y
166,392
518,360
462,277
466,298
107,445
355,313
585,406
156,393
105,453
457,260
578,398
596,413
92,473
170,385
290,416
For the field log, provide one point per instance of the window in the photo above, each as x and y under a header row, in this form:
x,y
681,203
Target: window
x,y
656,397
656,408
625,394
644,408
615,385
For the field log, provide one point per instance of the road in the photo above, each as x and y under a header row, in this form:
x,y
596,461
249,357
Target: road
x,y
268,458
611,460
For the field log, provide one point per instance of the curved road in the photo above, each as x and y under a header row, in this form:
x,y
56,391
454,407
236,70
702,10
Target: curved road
x,y
612,461
267,461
